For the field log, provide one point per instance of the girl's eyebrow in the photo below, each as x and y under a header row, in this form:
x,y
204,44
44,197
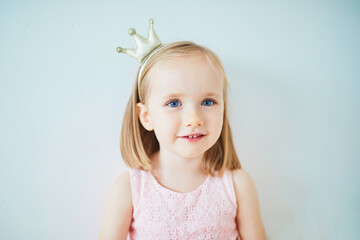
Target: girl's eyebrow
x,y
174,95
212,94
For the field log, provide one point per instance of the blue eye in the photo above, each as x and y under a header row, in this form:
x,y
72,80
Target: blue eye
x,y
174,103
208,102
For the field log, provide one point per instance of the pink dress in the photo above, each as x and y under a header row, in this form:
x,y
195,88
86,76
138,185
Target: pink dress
x,y
209,212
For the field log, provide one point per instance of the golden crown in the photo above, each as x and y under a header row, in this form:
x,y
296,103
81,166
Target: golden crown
x,y
144,46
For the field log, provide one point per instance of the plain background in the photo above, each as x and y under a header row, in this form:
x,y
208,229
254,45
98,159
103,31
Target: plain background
x,y
293,69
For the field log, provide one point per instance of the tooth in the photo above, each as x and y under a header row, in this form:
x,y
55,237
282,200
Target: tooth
x,y
194,136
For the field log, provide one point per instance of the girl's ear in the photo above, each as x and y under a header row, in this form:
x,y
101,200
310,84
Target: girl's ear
x,y
144,116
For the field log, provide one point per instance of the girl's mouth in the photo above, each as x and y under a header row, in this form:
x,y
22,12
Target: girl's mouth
x,y
193,137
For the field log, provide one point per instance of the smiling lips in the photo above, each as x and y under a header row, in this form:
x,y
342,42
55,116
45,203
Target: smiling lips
x,y
193,137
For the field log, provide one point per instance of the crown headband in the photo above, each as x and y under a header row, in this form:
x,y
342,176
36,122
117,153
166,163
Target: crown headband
x,y
145,48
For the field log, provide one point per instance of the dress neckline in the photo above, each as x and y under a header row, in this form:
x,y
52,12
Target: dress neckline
x,y
175,193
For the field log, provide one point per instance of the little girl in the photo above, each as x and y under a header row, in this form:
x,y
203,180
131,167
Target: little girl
x,y
185,179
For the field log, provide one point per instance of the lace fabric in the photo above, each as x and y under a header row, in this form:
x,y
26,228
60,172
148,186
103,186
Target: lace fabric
x,y
208,212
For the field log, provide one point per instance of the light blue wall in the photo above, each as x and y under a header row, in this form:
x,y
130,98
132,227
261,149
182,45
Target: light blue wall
x,y
294,71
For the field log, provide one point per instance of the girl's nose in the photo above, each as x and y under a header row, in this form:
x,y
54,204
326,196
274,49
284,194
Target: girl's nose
x,y
193,118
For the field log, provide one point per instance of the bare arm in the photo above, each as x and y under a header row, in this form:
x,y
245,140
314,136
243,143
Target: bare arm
x,y
118,210
249,223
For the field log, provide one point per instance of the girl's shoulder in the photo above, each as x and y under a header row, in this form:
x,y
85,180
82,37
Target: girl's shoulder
x,y
123,181
118,209
240,176
248,214
119,197
243,182
120,191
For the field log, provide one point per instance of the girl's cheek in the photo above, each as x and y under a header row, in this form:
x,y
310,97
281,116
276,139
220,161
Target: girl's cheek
x,y
168,118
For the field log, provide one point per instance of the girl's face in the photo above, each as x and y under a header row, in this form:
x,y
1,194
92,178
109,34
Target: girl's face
x,y
185,97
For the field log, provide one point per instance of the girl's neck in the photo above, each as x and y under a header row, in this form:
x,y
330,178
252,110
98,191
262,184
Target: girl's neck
x,y
176,173
167,163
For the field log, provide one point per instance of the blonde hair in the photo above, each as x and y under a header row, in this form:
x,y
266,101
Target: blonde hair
x,y
137,144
